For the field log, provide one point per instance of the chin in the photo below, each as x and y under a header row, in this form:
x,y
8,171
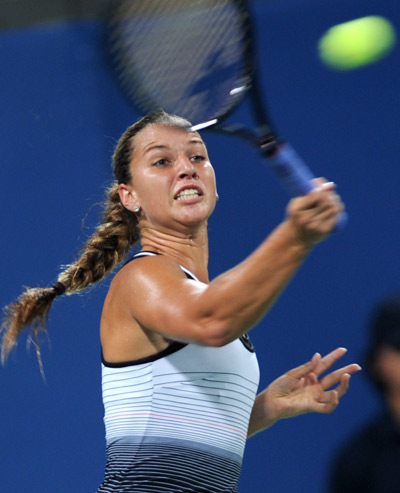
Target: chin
x,y
194,219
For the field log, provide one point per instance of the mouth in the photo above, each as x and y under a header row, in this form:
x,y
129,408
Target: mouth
x,y
188,194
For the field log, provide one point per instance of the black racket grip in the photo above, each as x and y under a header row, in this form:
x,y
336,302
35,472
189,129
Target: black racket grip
x,y
295,175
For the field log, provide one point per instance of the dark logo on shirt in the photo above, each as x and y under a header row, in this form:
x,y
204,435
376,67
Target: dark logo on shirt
x,y
247,343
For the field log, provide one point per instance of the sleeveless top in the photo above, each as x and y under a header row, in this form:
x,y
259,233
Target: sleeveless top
x,y
177,421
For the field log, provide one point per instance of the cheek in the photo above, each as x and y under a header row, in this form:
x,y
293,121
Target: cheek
x,y
151,189
210,175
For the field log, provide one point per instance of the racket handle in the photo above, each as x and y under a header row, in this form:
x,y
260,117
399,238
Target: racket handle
x,y
294,175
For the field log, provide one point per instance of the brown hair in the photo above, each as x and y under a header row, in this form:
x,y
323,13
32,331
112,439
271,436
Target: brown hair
x,y
102,252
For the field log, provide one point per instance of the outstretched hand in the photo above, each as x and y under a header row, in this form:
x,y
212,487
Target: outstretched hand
x,y
303,390
300,390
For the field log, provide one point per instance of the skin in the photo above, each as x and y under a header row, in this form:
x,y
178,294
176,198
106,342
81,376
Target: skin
x,y
387,368
301,391
167,160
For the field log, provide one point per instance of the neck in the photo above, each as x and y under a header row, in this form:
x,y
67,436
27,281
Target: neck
x,y
189,250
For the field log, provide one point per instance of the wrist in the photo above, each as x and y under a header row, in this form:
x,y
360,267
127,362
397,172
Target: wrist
x,y
272,410
295,238
264,413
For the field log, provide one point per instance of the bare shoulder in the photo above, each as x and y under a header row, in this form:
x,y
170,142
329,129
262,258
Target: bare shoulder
x,y
136,292
150,272
147,285
153,296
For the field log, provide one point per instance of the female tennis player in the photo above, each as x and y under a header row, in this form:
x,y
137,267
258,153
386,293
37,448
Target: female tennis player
x,y
180,375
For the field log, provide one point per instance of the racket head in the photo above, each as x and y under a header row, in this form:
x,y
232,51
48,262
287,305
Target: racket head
x,y
188,57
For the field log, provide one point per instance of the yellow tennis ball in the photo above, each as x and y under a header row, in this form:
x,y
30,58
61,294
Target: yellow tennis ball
x,y
356,43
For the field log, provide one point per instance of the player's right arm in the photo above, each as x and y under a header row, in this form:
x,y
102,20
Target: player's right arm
x,y
219,312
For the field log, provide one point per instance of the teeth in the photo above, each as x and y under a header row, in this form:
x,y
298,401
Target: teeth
x,y
189,193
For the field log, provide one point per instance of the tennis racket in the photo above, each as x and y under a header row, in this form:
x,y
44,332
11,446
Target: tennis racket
x,y
195,58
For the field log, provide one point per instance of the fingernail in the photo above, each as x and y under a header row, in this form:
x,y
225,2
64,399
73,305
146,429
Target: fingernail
x,y
328,184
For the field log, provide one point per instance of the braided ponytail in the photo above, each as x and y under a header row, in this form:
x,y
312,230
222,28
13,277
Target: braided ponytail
x,y
102,252
107,247
31,309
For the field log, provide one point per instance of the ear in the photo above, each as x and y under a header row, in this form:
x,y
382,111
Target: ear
x,y
128,196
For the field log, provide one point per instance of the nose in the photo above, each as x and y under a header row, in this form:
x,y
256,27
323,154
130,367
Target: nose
x,y
186,168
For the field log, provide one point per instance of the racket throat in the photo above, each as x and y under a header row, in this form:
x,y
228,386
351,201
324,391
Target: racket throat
x,y
268,144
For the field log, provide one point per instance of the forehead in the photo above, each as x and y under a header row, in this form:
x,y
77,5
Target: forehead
x,y
164,135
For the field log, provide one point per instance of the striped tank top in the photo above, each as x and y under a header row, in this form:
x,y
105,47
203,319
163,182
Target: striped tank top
x,y
177,421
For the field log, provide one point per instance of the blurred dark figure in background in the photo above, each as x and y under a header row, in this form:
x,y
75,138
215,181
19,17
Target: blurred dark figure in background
x,y
370,461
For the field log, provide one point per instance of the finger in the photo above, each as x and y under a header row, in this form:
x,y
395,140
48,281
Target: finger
x,y
320,213
329,402
311,207
328,360
322,221
344,385
319,196
324,191
306,368
322,182
316,358
336,376
325,205
315,201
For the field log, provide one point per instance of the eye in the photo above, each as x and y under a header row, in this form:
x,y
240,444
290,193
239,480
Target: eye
x,y
161,162
197,158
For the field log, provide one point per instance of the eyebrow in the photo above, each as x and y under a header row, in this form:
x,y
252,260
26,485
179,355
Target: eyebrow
x,y
153,147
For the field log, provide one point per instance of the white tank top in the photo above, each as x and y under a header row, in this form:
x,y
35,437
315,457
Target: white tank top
x,y
178,420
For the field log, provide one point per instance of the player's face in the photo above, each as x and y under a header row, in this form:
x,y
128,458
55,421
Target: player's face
x,y
172,178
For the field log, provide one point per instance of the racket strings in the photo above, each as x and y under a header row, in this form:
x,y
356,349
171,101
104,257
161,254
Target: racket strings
x,y
185,56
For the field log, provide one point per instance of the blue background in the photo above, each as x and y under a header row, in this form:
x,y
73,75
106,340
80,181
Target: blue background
x,y
61,114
